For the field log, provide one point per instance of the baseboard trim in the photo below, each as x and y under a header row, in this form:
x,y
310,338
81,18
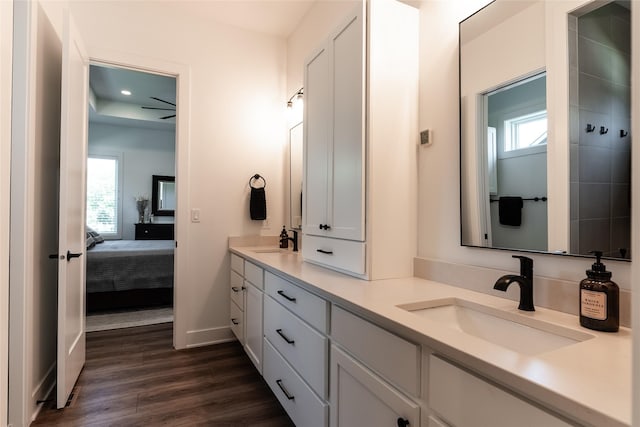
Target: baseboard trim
x,y
202,337
42,391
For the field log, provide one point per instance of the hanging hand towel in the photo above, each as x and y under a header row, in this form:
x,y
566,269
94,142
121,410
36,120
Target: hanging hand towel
x,y
258,200
510,210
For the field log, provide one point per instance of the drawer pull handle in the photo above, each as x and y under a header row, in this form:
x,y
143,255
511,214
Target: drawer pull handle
x,y
235,322
284,337
284,390
285,296
325,227
322,251
403,422
235,289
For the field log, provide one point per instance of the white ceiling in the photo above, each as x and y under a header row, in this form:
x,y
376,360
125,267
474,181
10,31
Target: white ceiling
x,y
273,17
112,107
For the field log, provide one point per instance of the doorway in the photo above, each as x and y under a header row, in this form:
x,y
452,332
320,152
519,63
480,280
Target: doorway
x,y
131,198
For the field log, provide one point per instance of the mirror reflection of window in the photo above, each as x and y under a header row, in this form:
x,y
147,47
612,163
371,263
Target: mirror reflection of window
x,y
167,195
517,124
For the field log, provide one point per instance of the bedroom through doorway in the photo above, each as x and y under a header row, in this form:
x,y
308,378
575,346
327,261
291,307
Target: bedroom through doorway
x,y
131,198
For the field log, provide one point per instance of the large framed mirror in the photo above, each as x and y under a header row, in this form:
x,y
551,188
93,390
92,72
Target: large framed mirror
x,y
163,195
544,139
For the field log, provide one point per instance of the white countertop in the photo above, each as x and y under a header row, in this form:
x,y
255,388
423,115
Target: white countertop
x,y
589,381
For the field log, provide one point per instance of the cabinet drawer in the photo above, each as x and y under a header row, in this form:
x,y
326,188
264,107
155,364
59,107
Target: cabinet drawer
x,y
342,254
303,347
311,308
302,405
237,264
464,400
254,274
150,231
235,321
392,357
237,289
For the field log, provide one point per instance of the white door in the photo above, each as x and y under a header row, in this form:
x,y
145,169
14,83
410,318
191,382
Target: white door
x,y
71,246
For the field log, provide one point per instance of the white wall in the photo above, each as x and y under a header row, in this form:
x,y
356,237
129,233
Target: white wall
x,y
237,127
145,152
6,31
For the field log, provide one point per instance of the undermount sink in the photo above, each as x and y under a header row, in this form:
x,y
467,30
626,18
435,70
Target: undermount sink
x,y
515,332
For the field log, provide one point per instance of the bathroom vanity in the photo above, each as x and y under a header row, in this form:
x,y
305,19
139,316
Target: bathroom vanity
x,y
341,351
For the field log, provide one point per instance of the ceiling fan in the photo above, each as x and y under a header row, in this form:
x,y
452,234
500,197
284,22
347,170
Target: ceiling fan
x,y
163,109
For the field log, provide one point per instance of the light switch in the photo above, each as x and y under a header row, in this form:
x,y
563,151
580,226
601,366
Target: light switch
x,y
195,215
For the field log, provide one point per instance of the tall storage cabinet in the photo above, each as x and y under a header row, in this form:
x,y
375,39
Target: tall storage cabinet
x,y
360,143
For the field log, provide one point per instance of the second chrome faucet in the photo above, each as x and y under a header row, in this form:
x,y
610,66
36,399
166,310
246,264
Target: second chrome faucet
x,y
525,280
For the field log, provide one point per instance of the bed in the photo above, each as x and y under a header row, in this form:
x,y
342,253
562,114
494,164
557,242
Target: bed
x,y
129,273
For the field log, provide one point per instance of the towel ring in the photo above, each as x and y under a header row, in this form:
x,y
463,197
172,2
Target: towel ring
x,y
255,178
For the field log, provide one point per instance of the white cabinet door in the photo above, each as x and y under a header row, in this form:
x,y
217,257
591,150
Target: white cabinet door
x,y
361,398
346,205
253,338
334,134
317,147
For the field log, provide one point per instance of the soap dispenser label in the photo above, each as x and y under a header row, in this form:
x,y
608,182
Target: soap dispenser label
x,y
594,304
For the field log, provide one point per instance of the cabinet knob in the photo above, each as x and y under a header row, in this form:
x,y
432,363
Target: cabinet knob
x,y
403,422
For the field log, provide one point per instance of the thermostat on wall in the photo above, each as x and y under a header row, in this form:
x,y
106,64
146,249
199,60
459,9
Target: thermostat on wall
x,y
426,138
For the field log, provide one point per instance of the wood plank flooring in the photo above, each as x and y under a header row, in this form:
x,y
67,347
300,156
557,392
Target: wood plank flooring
x,y
133,377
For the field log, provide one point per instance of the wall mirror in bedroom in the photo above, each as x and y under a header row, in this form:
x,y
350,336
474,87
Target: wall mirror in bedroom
x,y
163,195
542,171
132,135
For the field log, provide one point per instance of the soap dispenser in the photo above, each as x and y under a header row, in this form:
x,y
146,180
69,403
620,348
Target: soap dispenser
x,y
284,238
599,299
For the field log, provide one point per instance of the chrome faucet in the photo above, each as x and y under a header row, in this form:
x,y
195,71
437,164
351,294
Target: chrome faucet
x,y
525,280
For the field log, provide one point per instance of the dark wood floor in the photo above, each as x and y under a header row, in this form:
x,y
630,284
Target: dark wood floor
x,y
133,377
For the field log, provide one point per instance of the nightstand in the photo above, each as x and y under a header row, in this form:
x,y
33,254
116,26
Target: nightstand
x,y
156,231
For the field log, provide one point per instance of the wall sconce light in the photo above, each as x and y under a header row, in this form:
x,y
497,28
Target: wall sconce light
x,y
295,97
295,107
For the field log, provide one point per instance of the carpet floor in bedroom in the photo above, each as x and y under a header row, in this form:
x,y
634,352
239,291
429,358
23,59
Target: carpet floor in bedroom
x,y
127,319
133,377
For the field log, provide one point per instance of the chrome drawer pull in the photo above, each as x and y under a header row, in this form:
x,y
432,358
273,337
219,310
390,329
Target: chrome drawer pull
x,y
235,322
285,296
284,337
322,251
284,390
